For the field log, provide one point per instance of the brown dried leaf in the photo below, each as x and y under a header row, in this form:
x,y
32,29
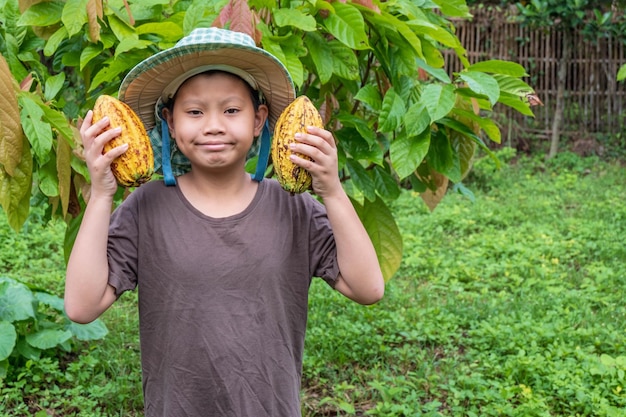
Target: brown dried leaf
x,y
94,11
432,198
11,133
64,171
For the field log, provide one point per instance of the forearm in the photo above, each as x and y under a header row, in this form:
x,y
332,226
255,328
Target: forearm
x,y
87,293
360,275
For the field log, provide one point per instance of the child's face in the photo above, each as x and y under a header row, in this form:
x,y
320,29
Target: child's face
x,y
214,121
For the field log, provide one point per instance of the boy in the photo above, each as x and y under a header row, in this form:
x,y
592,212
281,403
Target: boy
x,y
222,260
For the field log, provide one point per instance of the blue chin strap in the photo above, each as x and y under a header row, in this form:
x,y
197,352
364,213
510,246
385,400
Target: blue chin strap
x,y
166,161
264,153
166,157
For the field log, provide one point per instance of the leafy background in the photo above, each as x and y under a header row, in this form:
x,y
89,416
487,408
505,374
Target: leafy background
x,y
374,69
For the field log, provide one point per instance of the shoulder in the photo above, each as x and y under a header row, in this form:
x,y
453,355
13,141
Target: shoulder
x,y
150,193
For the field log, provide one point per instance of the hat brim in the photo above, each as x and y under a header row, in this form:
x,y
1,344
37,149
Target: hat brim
x,y
144,84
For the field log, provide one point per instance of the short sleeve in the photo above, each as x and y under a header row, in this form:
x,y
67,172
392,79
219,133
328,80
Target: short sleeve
x,y
122,248
323,248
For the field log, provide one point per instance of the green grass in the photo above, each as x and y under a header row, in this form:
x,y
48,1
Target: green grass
x,y
512,305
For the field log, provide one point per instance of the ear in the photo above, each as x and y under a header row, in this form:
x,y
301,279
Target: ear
x,y
169,118
259,119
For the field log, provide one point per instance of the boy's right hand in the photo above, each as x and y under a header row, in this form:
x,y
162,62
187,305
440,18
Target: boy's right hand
x,y
94,137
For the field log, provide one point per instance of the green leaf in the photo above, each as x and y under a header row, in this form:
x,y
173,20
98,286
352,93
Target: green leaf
x,y
347,25
438,73
360,124
621,74
516,103
512,85
53,86
168,31
437,33
15,189
88,53
46,13
460,127
321,54
497,66
442,158
8,336
26,350
48,338
121,29
413,41
383,232
91,331
370,95
48,180
455,8
131,43
392,112
16,301
201,13
361,179
465,148
295,18
345,63
407,153
54,41
489,126
386,184
482,83
38,132
438,100
74,16
50,300
416,119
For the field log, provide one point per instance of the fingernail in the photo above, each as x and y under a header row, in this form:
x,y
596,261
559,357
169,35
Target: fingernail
x,y
292,146
298,135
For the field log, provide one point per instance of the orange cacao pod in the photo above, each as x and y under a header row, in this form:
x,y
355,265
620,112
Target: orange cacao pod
x,y
294,119
135,166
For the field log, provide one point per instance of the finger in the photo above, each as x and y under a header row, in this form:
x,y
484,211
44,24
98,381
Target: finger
x,y
116,152
86,123
322,133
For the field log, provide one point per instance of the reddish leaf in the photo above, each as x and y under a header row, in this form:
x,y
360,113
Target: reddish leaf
x,y
11,133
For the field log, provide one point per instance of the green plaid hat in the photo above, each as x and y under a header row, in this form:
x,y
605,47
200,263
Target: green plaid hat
x,y
155,80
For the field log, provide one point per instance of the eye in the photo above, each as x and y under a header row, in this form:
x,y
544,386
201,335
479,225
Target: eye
x,y
232,111
194,112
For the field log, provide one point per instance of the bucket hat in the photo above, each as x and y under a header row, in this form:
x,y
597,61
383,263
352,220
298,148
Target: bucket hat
x,y
155,80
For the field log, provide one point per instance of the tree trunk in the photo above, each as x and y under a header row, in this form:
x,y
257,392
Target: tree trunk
x,y
560,92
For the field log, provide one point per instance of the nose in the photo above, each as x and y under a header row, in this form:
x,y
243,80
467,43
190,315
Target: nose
x,y
213,123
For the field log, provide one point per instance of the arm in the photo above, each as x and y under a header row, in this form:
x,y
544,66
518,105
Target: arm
x,y
87,292
360,277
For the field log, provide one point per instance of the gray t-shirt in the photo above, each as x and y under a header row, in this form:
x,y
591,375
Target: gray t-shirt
x,y
222,302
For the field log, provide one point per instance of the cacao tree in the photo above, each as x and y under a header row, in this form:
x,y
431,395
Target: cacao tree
x,y
374,69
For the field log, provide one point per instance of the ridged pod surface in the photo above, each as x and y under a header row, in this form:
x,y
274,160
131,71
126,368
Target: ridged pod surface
x,y
135,166
294,119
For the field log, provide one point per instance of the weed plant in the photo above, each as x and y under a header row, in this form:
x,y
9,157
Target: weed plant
x,y
511,305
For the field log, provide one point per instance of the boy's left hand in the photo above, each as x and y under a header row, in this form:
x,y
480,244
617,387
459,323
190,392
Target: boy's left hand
x,y
319,145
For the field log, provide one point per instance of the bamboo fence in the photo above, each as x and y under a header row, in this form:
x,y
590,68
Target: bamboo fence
x,y
595,101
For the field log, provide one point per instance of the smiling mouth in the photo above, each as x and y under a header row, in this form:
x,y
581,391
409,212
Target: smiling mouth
x,y
214,146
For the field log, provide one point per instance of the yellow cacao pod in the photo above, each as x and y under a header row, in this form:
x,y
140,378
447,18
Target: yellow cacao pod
x,y
135,166
294,119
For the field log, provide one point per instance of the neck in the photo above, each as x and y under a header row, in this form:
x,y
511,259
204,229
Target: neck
x,y
218,196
